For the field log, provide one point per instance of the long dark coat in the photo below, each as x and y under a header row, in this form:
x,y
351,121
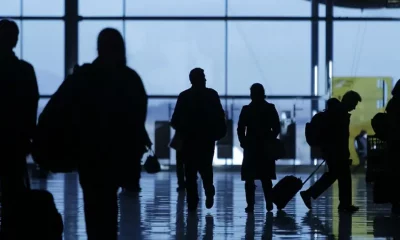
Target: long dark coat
x,y
258,125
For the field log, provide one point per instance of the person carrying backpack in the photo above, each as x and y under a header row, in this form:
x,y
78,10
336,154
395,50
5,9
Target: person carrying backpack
x,y
333,142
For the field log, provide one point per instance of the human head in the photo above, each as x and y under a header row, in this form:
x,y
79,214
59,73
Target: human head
x,y
8,35
197,78
332,103
111,46
350,100
363,133
257,92
396,89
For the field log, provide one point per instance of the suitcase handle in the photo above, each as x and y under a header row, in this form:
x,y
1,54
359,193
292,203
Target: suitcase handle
x,y
313,172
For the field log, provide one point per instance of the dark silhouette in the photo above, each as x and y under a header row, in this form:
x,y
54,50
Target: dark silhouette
x,y
130,216
176,144
200,120
39,217
335,150
361,147
192,226
109,105
345,226
250,226
19,99
209,228
180,217
393,144
267,233
258,127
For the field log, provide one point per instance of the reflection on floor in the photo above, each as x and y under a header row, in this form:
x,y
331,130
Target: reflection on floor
x,y
160,213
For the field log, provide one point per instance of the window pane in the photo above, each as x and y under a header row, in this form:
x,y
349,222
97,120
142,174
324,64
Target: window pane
x,y
100,7
88,32
163,53
10,7
264,52
269,8
366,49
45,51
43,7
175,7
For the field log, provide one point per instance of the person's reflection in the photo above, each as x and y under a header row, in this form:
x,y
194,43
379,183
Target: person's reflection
x,y
250,227
268,227
71,188
387,227
286,223
345,225
315,224
192,226
180,218
209,228
130,221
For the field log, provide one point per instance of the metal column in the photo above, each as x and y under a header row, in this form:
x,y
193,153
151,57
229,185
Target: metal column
x,y
314,55
71,35
329,46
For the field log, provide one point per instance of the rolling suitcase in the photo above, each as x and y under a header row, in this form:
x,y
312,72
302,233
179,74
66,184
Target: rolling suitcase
x,y
287,188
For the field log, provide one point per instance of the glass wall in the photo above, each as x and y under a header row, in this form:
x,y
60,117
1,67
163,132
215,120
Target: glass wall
x,y
236,42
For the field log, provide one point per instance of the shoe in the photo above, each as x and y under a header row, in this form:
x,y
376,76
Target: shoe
x,y
348,209
306,199
209,202
249,209
180,189
270,206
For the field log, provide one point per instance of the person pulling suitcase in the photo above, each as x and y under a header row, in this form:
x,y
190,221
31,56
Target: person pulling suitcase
x,y
258,129
335,150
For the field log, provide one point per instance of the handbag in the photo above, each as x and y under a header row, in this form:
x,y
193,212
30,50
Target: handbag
x,y
152,165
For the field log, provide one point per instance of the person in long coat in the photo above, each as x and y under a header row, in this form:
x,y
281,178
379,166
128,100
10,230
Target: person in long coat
x,y
258,127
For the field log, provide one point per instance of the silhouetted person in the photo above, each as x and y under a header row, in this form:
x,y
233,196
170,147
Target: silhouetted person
x,y
345,226
19,99
393,143
335,150
258,127
361,147
109,105
176,144
199,118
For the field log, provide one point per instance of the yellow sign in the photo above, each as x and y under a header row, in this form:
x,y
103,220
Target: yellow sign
x,y
375,93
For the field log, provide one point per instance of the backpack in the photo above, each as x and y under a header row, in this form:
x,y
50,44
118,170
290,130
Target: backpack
x,y
379,124
54,141
315,129
39,217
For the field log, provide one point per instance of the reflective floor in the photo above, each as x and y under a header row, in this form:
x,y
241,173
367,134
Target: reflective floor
x,y
159,213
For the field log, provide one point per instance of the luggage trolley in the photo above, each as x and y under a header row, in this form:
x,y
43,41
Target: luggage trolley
x,y
376,158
